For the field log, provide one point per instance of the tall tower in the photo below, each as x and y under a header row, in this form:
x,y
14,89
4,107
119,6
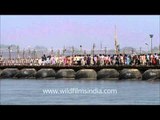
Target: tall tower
x,y
115,41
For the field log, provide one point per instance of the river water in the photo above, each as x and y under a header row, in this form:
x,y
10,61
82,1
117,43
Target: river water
x,y
78,92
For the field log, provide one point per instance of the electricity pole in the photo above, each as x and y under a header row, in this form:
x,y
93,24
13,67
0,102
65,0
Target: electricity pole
x,y
151,36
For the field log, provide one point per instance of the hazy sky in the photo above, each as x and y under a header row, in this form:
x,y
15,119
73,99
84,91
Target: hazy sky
x,y
59,30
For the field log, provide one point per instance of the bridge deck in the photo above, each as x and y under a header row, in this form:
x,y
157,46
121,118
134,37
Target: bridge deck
x,y
96,68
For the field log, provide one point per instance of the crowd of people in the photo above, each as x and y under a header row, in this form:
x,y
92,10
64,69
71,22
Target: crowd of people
x,y
90,60
101,59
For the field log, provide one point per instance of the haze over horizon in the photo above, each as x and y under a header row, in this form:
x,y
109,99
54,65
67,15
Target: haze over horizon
x,y
74,30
